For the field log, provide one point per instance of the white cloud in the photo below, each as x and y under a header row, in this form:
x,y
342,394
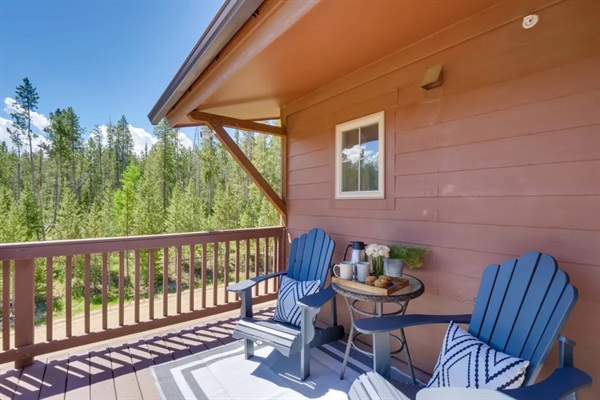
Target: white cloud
x,y
5,137
38,120
184,140
141,138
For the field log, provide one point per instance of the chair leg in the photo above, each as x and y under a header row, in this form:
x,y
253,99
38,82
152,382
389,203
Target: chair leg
x,y
566,358
304,362
248,348
381,354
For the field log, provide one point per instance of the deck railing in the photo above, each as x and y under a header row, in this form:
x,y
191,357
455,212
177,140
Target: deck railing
x,y
137,283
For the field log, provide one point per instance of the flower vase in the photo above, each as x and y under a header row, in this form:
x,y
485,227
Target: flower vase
x,y
377,266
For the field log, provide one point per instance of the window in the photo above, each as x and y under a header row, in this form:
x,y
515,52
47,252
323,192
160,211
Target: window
x,y
359,153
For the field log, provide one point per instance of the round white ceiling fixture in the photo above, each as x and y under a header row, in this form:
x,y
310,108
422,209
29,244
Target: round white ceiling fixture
x,y
530,21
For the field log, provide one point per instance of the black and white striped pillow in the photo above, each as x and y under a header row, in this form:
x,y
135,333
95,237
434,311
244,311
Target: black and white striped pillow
x,y
290,291
467,362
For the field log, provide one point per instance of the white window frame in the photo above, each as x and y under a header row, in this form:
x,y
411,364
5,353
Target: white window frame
x,y
378,118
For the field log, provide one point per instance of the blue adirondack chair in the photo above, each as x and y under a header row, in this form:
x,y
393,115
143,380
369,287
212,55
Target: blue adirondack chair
x,y
520,309
309,260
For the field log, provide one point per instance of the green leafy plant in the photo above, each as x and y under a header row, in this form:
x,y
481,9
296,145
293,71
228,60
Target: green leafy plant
x,y
412,257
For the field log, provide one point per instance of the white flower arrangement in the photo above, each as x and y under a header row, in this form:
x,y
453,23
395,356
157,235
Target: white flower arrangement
x,y
377,250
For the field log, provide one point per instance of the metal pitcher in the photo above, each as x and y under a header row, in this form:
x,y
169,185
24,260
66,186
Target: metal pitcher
x,y
358,252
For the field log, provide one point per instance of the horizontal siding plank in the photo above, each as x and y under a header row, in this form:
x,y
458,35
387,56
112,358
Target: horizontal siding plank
x,y
577,178
580,247
310,191
524,211
310,175
573,144
318,158
567,79
561,113
308,144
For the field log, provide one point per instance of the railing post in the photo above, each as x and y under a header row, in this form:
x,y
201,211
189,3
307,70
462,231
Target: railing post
x,y
24,307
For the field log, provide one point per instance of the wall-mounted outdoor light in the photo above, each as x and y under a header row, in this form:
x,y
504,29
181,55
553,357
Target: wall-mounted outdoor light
x,y
433,77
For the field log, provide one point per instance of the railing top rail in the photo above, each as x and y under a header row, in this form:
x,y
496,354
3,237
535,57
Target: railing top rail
x,y
54,248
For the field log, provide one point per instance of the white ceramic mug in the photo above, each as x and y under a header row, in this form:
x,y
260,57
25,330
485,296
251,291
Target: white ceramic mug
x,y
362,271
346,269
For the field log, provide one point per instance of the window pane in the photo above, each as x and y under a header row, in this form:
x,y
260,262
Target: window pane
x,y
349,177
369,139
369,173
350,146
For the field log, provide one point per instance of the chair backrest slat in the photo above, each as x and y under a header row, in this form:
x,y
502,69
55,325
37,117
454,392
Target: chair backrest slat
x,y
496,300
522,306
310,256
529,317
516,294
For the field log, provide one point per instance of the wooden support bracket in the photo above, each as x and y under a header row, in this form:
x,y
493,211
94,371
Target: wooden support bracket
x,y
216,123
206,118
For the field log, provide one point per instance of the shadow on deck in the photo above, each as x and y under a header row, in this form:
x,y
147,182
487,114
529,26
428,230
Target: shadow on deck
x,y
116,369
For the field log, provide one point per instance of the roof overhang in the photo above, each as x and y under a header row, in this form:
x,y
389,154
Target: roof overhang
x,y
271,53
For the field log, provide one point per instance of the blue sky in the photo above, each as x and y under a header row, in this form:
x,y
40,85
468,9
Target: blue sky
x,y
104,58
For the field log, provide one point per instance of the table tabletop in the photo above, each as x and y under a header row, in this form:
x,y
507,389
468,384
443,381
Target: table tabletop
x,y
414,289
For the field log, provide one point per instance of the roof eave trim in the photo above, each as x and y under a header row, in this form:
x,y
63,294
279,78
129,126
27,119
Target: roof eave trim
x,y
232,15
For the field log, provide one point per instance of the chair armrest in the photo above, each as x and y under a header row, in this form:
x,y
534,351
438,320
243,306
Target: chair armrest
x,y
248,283
387,324
562,382
316,300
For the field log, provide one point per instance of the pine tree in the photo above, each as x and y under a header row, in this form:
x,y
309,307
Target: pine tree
x,y
185,213
124,199
167,146
30,215
26,102
68,223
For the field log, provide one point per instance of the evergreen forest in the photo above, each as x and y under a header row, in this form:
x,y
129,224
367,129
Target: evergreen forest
x,y
80,183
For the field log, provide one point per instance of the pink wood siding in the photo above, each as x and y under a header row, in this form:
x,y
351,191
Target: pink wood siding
x,y
504,158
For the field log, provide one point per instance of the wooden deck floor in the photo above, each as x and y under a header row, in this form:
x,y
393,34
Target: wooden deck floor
x,y
118,369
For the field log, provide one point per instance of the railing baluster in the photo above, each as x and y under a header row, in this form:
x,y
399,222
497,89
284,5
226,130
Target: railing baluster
x,y
267,264
179,278
204,269
226,271
247,266
192,281
136,289
237,261
86,294
5,304
151,284
49,298
24,307
165,281
104,291
215,273
68,304
256,263
121,288
275,262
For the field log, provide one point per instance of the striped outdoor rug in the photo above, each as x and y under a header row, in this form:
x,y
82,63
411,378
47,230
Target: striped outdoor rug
x,y
223,373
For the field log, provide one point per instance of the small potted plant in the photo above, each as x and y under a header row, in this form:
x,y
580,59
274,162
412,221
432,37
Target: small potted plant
x,y
400,255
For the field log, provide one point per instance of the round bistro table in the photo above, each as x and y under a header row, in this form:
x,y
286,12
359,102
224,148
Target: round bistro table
x,y
354,298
